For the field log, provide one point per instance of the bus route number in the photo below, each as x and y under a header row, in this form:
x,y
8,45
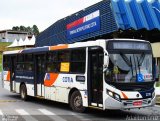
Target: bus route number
x,y
68,79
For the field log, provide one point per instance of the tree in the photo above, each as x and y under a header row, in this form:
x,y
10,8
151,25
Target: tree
x,y
35,30
22,28
15,28
31,30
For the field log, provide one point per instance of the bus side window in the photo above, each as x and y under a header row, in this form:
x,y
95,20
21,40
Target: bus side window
x,y
6,60
78,58
52,62
28,66
19,67
63,61
20,62
63,55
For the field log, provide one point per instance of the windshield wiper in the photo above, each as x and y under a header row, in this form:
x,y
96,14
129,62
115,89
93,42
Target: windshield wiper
x,y
140,61
128,62
126,59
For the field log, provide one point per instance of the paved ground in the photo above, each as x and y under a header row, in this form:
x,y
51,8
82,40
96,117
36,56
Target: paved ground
x,y
12,108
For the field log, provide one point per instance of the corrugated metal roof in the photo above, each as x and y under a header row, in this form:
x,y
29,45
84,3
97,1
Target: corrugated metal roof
x,y
114,15
137,14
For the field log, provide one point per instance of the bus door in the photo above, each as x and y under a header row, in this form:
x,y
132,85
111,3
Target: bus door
x,y
95,79
12,73
40,74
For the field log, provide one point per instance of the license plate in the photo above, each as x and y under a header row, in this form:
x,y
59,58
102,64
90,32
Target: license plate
x,y
137,103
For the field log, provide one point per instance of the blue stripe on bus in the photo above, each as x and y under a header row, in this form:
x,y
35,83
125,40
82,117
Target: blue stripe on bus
x,y
40,49
147,94
24,76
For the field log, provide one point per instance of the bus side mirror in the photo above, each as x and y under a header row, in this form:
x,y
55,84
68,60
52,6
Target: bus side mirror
x,y
155,70
106,60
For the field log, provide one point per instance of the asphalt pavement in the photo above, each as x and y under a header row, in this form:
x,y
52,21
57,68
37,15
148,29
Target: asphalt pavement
x,y
12,108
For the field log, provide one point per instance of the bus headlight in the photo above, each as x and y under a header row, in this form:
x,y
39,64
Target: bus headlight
x,y
153,94
113,95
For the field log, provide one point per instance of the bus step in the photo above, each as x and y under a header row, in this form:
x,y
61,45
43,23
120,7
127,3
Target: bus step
x,y
95,104
40,97
99,108
13,91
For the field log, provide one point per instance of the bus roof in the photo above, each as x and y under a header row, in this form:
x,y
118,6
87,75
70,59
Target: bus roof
x,y
65,46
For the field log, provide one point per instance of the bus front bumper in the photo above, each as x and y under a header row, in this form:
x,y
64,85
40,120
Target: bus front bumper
x,y
111,103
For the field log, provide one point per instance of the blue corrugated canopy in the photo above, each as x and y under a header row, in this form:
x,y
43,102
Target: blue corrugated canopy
x,y
137,14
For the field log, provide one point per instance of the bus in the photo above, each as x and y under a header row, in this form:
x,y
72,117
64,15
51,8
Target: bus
x,y
104,74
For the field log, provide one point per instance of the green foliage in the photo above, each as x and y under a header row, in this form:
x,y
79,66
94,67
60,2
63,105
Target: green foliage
x,y
157,84
35,30
31,30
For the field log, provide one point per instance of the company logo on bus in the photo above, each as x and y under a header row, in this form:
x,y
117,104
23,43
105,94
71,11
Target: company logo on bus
x,y
48,77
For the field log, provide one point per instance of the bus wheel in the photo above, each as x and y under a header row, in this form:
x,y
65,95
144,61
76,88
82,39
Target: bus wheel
x,y
23,92
76,102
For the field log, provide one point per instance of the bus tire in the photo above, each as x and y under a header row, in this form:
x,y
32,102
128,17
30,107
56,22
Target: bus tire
x,y
76,102
23,92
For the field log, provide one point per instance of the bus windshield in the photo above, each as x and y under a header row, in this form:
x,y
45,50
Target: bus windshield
x,y
129,67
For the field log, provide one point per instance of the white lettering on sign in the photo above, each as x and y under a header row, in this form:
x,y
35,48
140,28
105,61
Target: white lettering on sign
x,y
91,16
25,77
88,26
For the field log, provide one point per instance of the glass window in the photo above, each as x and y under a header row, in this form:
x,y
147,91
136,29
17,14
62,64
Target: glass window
x,y
28,57
6,59
52,56
19,67
53,67
28,66
20,58
63,55
77,67
78,55
6,62
5,66
130,68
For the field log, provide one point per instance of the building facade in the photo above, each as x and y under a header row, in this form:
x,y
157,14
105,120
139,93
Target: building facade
x,y
10,36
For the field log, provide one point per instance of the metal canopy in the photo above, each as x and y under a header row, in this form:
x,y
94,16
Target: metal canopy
x,y
137,14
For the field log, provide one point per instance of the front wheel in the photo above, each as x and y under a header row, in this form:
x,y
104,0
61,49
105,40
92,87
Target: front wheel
x,y
76,102
23,92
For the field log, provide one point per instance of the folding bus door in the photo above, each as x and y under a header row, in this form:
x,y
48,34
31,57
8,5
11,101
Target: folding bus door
x,y
40,74
95,76
12,73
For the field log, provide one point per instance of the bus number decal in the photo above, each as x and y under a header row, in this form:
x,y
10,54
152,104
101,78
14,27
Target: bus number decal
x,y
68,79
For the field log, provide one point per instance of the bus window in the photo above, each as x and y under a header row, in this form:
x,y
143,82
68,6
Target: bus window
x,y
6,61
53,67
20,58
19,67
52,64
63,56
28,66
78,57
28,58
52,56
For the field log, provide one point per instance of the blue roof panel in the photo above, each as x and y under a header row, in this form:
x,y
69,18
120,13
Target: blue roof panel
x,y
113,15
156,9
137,14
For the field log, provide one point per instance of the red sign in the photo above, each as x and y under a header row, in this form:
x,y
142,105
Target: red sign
x,y
137,103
